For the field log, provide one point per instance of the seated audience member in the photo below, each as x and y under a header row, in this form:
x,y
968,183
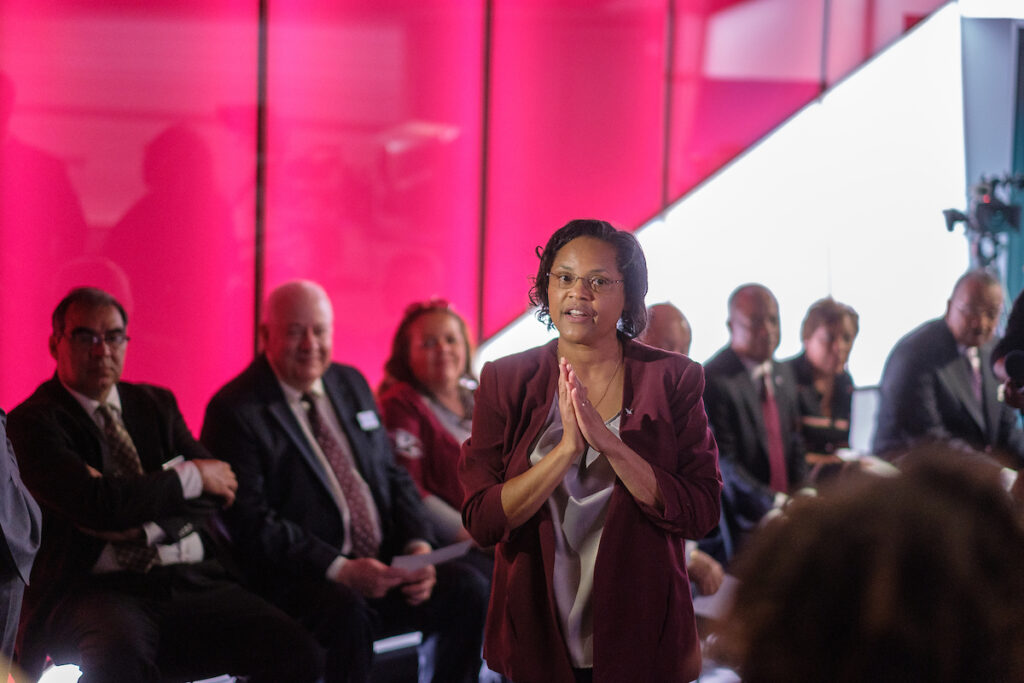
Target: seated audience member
x,y
427,406
667,328
21,523
914,577
127,583
825,388
323,507
752,404
938,385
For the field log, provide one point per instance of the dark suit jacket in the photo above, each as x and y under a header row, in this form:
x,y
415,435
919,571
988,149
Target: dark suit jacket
x,y
55,440
734,408
21,523
926,395
20,518
1013,339
642,615
285,520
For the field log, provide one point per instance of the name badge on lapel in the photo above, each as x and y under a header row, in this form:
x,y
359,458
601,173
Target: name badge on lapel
x,y
368,420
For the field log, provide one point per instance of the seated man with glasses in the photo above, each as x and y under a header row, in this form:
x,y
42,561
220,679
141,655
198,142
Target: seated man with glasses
x,y
127,583
938,385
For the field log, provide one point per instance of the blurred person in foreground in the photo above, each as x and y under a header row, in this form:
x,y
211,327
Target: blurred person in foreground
x,y
589,464
824,387
913,577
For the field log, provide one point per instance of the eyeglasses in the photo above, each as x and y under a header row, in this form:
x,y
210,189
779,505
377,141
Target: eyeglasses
x,y
87,339
977,313
595,283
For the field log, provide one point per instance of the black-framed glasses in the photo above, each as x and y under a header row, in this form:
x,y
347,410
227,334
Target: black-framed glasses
x,y
85,338
595,283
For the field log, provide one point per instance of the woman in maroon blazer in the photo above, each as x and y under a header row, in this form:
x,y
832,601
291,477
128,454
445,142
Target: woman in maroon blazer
x,y
426,401
589,464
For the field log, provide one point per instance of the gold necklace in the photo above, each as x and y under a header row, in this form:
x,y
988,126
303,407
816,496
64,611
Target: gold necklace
x,y
610,381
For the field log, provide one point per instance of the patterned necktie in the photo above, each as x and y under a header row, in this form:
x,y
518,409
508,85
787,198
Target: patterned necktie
x,y
125,462
365,535
778,481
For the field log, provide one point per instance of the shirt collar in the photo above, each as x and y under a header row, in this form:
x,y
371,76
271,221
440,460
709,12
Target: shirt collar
x,y
90,404
293,395
757,370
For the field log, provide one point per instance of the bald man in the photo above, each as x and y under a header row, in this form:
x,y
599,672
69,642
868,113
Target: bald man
x,y
938,385
752,406
667,328
322,507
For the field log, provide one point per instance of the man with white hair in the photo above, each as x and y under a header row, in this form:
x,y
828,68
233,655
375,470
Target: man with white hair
x,y
322,506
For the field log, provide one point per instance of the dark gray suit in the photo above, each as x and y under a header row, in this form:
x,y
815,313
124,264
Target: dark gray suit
x,y
289,529
21,522
926,395
733,404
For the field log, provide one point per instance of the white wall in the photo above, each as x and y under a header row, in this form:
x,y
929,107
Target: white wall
x,y
845,199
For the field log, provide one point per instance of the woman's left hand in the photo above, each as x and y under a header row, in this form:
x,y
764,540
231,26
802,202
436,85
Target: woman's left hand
x,y
590,422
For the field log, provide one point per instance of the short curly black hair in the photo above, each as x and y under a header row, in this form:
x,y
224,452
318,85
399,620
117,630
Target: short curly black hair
x,y
630,260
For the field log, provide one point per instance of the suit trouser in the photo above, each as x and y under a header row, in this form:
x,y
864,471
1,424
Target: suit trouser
x,y
177,623
11,590
346,624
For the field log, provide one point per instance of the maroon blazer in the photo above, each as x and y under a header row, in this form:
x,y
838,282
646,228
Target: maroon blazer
x,y
403,408
644,627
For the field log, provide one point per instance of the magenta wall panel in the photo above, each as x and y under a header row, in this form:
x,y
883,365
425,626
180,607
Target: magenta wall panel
x,y
374,144
408,146
576,129
859,29
127,163
739,70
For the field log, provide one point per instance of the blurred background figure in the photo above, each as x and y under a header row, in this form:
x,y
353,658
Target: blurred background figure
x,y
752,403
427,403
938,383
667,328
824,387
914,577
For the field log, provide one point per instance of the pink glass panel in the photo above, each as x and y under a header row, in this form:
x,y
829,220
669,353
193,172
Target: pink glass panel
x,y
576,129
739,70
860,29
127,163
374,145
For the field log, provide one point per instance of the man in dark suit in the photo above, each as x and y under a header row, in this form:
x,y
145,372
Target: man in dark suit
x,y
126,583
938,385
21,523
752,406
323,507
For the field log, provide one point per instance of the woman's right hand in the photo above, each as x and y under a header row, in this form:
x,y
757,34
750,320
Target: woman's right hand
x,y
572,437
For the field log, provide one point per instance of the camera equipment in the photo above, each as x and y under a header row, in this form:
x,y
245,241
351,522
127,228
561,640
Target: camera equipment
x,y
990,214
